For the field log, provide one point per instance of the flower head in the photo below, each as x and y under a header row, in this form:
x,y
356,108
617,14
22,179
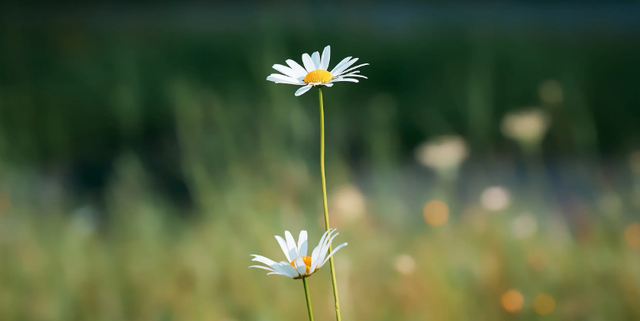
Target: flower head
x,y
443,153
298,264
315,72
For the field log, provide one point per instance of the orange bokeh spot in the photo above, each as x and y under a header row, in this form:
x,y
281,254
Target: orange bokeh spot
x,y
436,212
544,304
632,235
512,301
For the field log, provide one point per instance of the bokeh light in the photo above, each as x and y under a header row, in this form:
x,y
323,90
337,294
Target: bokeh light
x,y
495,198
347,205
526,126
632,235
512,301
442,153
524,226
405,264
544,304
436,212
550,92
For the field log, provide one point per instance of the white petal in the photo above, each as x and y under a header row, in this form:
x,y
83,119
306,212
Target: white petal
x,y
278,273
297,68
339,70
326,56
302,243
286,71
282,79
314,258
329,84
345,79
308,63
286,269
339,65
303,90
300,267
324,247
333,252
316,60
284,247
262,259
350,69
324,237
328,241
261,267
316,251
354,74
291,244
277,267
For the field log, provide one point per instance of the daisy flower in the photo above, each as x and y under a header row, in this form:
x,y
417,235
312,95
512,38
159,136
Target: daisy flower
x,y
298,264
315,72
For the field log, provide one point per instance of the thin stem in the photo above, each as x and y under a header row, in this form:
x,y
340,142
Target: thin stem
x,y
306,294
326,208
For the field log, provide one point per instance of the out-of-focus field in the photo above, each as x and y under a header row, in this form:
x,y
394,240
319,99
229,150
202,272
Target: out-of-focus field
x,y
141,166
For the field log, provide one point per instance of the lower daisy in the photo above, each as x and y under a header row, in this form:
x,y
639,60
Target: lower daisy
x,y
298,264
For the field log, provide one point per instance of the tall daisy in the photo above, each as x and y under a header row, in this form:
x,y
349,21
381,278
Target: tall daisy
x,y
315,72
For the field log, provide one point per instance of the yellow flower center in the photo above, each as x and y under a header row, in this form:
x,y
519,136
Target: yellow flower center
x,y
306,260
318,76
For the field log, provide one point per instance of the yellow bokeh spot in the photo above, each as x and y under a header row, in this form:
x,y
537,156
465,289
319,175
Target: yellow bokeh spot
x,y
544,304
436,212
318,76
512,301
632,235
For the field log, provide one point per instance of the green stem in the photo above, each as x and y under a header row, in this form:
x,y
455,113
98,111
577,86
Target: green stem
x,y
306,294
326,208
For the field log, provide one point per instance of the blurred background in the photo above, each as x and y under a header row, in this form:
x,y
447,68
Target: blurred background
x,y
488,169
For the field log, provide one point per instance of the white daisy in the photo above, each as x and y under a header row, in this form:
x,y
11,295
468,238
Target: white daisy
x,y
315,72
298,264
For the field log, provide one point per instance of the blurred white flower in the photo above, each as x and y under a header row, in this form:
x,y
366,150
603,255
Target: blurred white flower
x,y
524,226
495,198
348,204
444,153
298,264
405,264
315,71
525,126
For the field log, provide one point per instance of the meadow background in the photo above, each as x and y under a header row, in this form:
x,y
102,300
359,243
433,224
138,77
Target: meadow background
x,y
143,157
